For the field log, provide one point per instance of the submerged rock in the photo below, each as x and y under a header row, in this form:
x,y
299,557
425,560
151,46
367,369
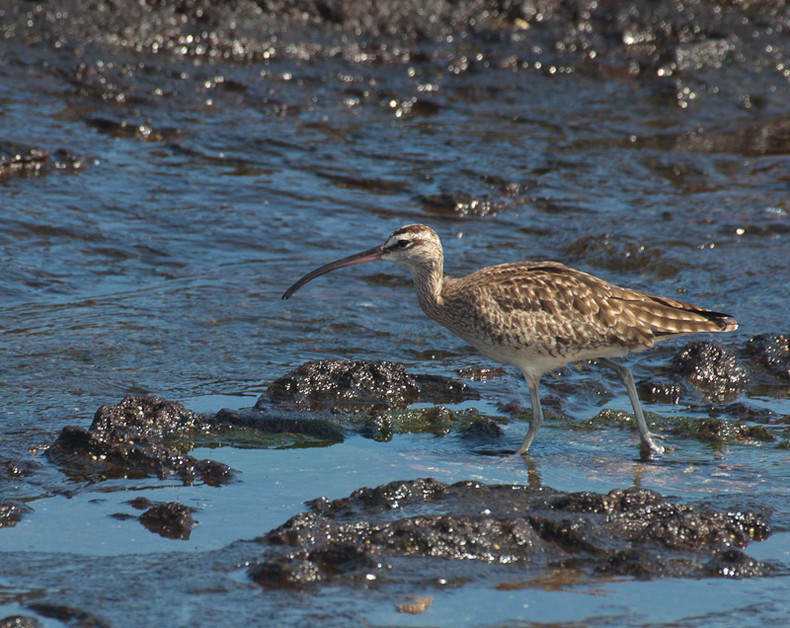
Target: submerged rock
x,y
770,355
357,384
142,436
30,161
268,422
16,468
714,430
19,621
436,420
666,43
67,615
345,385
732,563
659,392
133,438
707,429
11,513
391,530
439,389
713,370
172,520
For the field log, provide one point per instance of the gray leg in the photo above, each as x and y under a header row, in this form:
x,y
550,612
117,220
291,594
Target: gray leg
x,y
628,379
533,379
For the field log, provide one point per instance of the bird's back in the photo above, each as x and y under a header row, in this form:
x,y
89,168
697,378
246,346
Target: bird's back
x,y
562,314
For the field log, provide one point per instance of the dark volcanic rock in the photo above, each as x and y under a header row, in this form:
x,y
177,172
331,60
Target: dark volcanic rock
x,y
19,621
275,423
626,532
770,354
748,412
21,160
483,428
343,385
172,520
132,439
659,392
732,563
638,564
708,429
15,468
11,514
670,39
136,418
67,615
713,370
439,389
716,430
26,160
359,384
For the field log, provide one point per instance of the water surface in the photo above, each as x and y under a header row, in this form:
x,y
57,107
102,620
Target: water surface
x,y
203,189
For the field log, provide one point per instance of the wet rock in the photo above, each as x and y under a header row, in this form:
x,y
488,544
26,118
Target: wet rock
x,y
770,355
438,389
268,422
512,408
618,253
732,563
714,430
172,520
138,130
21,160
483,428
11,513
286,574
437,420
651,391
19,621
415,604
712,369
140,503
765,137
753,414
637,564
707,429
137,418
67,615
16,468
355,385
663,42
620,418
29,161
132,438
459,204
387,496
380,531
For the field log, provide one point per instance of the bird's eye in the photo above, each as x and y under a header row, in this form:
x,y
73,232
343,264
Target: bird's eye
x,y
402,244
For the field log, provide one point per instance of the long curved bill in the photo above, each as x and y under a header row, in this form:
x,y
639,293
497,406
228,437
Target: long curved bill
x,y
371,255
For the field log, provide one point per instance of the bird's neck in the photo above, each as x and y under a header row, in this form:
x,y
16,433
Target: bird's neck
x,y
428,281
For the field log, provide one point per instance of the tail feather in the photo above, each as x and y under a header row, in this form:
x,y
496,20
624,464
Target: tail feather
x,y
667,317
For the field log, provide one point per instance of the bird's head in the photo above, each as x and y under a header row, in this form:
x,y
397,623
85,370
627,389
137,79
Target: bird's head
x,y
412,246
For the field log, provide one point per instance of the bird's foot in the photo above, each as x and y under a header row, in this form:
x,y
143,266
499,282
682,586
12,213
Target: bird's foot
x,y
649,447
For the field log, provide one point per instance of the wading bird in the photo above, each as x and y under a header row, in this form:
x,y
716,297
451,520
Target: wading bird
x,y
537,316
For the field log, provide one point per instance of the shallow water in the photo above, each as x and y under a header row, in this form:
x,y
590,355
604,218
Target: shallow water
x,y
158,268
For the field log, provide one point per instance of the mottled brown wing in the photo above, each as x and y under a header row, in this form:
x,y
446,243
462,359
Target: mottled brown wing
x,y
551,304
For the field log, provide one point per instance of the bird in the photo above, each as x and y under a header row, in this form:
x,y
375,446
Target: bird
x,y
537,315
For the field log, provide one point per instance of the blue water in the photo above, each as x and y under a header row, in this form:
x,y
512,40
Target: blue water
x,y
158,268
